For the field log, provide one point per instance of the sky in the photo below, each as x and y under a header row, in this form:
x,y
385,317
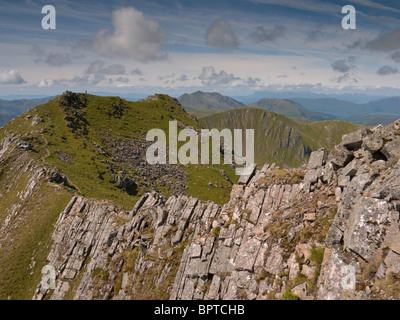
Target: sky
x,y
236,47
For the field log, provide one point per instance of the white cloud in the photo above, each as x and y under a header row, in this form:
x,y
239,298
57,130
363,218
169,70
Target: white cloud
x,y
342,66
260,34
220,35
387,70
133,36
396,56
97,67
386,41
136,72
11,77
44,82
210,77
76,81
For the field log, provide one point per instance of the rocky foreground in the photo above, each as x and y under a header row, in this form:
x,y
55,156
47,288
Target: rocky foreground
x,y
328,230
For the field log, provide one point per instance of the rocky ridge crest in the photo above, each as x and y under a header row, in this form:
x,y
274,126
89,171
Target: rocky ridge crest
x,y
328,230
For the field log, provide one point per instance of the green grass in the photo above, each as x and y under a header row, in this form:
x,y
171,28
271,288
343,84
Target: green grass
x,y
88,168
31,233
279,139
289,295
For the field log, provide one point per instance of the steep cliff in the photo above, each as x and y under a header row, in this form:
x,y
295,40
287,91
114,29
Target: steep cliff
x,y
328,230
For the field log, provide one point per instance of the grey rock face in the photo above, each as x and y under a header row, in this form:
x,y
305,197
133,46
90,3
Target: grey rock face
x,y
317,159
340,156
333,234
354,140
392,150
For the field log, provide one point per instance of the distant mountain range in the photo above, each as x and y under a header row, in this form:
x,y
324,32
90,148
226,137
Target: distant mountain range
x,y
9,109
305,110
383,111
291,109
206,103
345,108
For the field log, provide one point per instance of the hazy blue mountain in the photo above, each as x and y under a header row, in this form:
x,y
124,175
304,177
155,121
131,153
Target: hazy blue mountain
x,y
19,106
206,103
343,108
291,109
5,118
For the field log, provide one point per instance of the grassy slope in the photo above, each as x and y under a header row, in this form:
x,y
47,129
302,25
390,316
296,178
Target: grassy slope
x,y
25,241
87,164
24,245
279,139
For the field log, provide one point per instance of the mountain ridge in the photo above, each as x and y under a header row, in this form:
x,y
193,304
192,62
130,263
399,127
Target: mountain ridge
x,y
279,139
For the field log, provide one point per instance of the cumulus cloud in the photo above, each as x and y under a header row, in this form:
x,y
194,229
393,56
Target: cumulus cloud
x,y
262,35
343,65
220,36
122,79
136,72
97,67
54,59
387,70
346,67
316,33
58,59
210,77
44,82
173,78
386,41
78,81
396,56
252,82
133,36
355,45
11,77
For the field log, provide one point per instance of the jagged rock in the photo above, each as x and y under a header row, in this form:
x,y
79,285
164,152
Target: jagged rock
x,y
56,176
373,142
391,150
309,216
244,179
335,270
308,271
369,223
268,233
300,291
351,169
26,146
247,255
126,184
354,140
340,156
317,159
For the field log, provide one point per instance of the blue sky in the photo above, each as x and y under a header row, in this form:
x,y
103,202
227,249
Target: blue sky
x,y
236,47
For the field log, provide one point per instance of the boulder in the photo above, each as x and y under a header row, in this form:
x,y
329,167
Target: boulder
x,y
340,157
351,169
373,142
317,159
354,140
300,291
391,150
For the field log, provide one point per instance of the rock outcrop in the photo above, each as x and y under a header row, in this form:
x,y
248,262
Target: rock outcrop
x,y
329,230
